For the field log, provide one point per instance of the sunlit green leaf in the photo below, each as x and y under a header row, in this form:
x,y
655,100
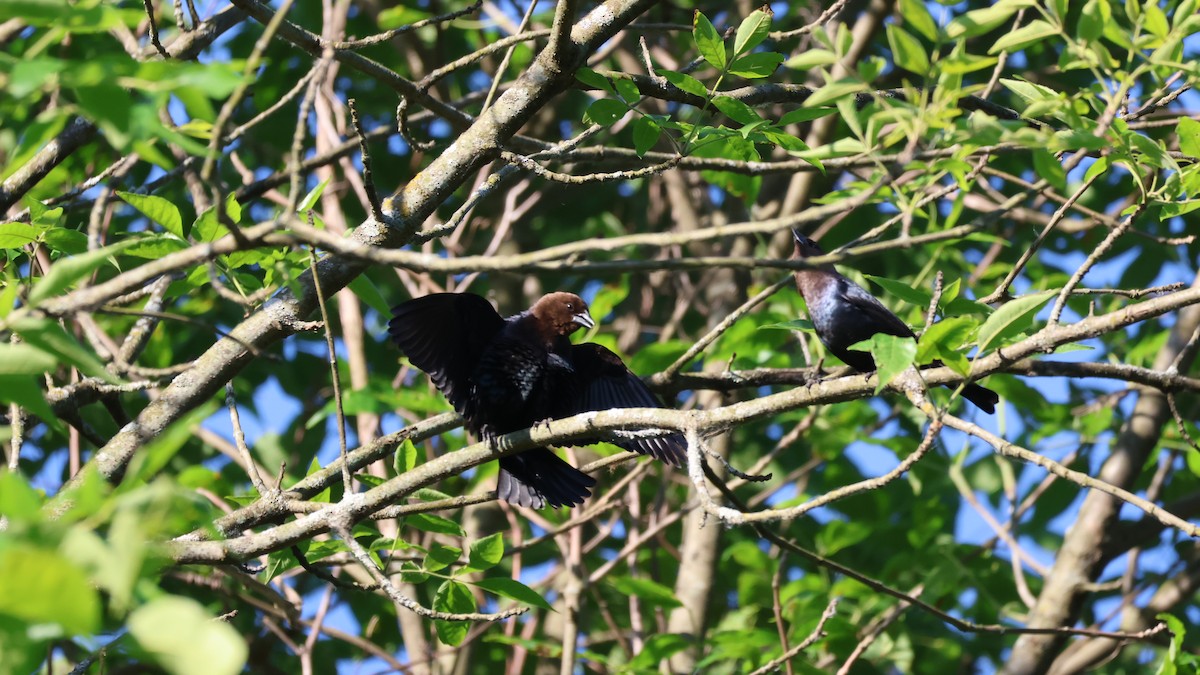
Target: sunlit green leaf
x,y
487,552
893,355
907,50
157,209
650,591
185,639
1011,318
708,40
513,590
646,133
1033,32
757,65
41,587
752,30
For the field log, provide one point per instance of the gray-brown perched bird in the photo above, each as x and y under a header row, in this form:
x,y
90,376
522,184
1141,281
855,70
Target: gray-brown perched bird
x,y
504,375
843,314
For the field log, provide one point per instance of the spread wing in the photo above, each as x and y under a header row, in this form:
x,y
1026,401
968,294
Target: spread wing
x,y
602,382
444,334
880,317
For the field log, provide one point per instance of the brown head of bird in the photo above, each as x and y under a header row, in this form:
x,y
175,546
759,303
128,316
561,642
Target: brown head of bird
x,y
562,313
812,279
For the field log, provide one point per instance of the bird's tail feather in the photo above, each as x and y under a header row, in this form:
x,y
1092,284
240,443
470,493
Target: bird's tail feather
x,y
537,478
985,399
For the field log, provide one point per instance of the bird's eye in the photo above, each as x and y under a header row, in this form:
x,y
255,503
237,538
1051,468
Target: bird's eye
x,y
571,306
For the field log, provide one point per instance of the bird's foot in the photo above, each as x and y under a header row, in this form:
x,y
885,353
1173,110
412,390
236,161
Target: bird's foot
x,y
490,437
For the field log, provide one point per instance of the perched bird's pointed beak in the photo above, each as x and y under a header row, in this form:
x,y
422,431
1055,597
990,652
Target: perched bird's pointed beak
x,y
805,247
583,319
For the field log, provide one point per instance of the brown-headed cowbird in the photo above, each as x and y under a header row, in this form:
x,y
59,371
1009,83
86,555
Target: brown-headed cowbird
x,y
503,375
843,314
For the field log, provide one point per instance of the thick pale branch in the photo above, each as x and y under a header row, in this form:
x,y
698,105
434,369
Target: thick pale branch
x,y
590,425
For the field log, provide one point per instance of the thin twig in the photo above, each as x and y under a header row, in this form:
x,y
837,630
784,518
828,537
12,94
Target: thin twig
x,y
335,376
816,634
368,176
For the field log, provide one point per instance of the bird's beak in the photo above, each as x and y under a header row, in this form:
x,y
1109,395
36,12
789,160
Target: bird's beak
x,y
797,236
583,319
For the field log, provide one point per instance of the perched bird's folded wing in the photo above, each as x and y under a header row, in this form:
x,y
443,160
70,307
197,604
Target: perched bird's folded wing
x,y
602,382
881,317
444,334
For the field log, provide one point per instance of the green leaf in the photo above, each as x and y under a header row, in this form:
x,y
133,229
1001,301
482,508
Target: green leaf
x,y
1011,318
1156,20
24,359
1188,131
1175,648
913,296
17,235
18,501
605,112
321,497
833,91
66,271
369,480
25,391
652,592
486,553
157,209
893,355
907,50
685,82
208,228
154,456
627,90
410,573
1048,167
84,18
791,144
52,338
757,65
735,110
41,587
811,58
752,30
838,535
805,115
366,290
980,21
1095,15
406,457
946,336
646,132
918,17
513,590
1098,167
185,639
456,598
310,199
1036,31
708,41
657,649
1029,91
593,79
441,556
437,524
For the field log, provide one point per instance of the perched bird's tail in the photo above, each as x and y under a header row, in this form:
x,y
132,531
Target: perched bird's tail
x,y
985,399
538,477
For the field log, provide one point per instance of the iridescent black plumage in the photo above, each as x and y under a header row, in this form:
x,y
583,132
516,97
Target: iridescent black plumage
x,y
503,375
843,314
